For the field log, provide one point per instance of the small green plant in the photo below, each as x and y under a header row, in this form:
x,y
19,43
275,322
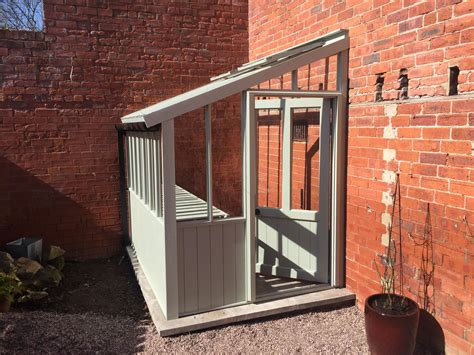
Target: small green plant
x,y
9,286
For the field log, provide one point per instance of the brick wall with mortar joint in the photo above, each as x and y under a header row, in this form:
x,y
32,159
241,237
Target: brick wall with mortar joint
x,y
305,162
427,138
63,90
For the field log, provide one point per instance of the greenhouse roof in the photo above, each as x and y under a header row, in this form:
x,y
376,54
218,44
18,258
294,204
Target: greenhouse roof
x,y
242,78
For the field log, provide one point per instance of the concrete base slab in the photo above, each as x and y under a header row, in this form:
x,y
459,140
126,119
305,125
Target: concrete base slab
x,y
308,301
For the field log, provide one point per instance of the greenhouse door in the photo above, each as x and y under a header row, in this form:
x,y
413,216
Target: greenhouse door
x,y
292,187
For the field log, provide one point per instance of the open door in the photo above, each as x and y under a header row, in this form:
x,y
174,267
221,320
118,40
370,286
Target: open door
x,y
293,188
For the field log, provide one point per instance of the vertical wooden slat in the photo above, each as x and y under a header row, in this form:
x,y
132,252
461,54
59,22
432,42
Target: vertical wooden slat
x,y
146,166
274,239
181,283
240,262
286,164
159,181
169,218
136,165
208,123
190,270
262,235
229,263
281,229
339,134
294,79
127,157
204,267
217,266
144,162
293,235
324,188
305,245
314,246
152,144
250,185
141,164
130,161
151,170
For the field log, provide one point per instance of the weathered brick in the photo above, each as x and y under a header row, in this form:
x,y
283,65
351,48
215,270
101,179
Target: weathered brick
x,y
67,88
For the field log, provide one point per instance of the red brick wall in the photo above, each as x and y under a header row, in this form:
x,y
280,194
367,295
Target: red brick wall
x,y
427,138
304,162
63,90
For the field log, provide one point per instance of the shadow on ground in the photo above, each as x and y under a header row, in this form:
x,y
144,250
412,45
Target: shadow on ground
x,y
97,308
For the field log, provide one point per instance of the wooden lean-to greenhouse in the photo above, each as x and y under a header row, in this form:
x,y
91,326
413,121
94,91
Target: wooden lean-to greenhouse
x,y
236,190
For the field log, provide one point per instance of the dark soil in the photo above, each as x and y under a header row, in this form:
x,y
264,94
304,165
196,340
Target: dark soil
x,y
393,305
105,287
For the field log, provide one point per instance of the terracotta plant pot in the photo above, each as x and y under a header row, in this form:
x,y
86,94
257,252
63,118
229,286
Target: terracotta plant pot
x,y
5,305
391,332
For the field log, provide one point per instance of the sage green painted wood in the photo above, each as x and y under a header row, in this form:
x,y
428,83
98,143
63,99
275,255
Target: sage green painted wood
x,y
262,235
228,247
190,207
217,270
136,164
300,215
238,313
169,216
294,243
339,157
148,238
151,172
249,128
204,267
324,187
128,158
181,259
208,129
240,284
294,103
159,180
211,265
286,156
190,270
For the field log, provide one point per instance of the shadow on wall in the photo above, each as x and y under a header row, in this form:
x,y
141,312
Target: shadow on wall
x,y
430,336
29,206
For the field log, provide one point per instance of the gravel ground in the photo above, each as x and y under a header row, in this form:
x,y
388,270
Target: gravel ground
x,y
94,318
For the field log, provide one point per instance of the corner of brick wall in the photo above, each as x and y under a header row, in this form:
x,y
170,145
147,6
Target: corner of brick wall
x,y
64,89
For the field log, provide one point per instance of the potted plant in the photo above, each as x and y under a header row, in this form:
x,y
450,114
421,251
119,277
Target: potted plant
x,y
391,319
9,286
